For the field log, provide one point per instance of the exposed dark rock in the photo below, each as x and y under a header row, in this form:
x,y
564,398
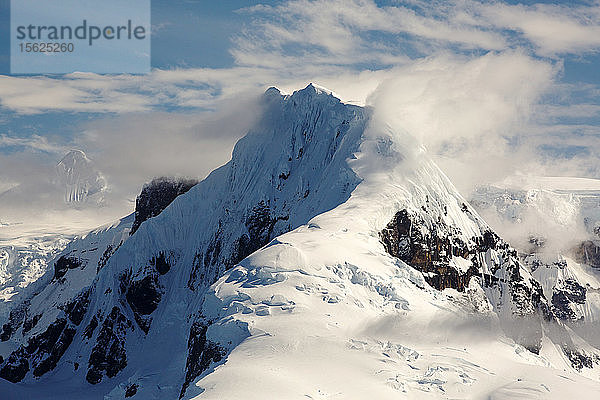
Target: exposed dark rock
x,y
108,355
77,308
89,330
565,294
588,252
131,390
489,241
110,250
15,319
429,247
30,323
160,263
16,367
58,349
579,359
43,351
201,354
63,264
205,263
260,224
156,196
143,297
430,253
44,342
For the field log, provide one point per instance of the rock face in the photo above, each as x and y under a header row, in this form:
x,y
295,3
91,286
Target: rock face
x,y
429,252
156,196
118,288
430,239
447,260
42,352
201,354
63,264
567,293
588,252
109,356
137,307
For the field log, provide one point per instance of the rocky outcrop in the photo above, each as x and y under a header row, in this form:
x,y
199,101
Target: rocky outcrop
x,y
580,359
588,252
63,264
131,390
77,308
201,354
260,229
156,196
448,260
565,295
15,319
16,366
108,356
143,296
428,251
42,352
259,224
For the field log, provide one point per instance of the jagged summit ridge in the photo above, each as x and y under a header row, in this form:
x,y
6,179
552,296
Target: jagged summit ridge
x,y
276,262
290,167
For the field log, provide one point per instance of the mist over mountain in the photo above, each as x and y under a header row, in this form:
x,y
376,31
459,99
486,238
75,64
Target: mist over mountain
x,y
329,256
81,181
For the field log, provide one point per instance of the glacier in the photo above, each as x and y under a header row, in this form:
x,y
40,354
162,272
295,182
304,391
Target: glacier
x,y
330,258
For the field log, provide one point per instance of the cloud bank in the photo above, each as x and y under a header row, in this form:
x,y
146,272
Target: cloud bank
x,y
479,83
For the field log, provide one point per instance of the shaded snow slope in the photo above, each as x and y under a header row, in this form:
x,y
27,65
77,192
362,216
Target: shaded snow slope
x,y
325,312
330,258
290,167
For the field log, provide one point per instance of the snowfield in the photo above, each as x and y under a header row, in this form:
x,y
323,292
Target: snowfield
x,y
329,259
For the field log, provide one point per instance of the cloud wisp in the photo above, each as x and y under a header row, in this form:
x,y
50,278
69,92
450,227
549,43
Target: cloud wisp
x,y
477,82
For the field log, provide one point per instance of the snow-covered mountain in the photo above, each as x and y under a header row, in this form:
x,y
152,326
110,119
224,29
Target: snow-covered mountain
x,y
555,222
329,258
24,261
81,180
29,242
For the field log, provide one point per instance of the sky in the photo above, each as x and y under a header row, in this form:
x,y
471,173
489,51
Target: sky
x,y
492,89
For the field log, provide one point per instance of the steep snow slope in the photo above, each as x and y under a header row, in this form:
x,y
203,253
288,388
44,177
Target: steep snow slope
x,y
387,284
325,312
289,168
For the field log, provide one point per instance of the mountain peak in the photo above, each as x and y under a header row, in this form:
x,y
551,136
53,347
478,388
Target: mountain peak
x,y
74,156
80,177
313,89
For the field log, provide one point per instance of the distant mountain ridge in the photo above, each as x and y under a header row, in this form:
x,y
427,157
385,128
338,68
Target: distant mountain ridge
x,y
329,257
80,178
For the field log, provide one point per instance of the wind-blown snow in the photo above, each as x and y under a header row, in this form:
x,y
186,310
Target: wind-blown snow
x,y
331,315
320,310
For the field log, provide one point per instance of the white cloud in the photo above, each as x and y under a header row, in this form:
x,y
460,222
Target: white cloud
x,y
303,40
128,150
551,29
34,142
467,78
467,110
